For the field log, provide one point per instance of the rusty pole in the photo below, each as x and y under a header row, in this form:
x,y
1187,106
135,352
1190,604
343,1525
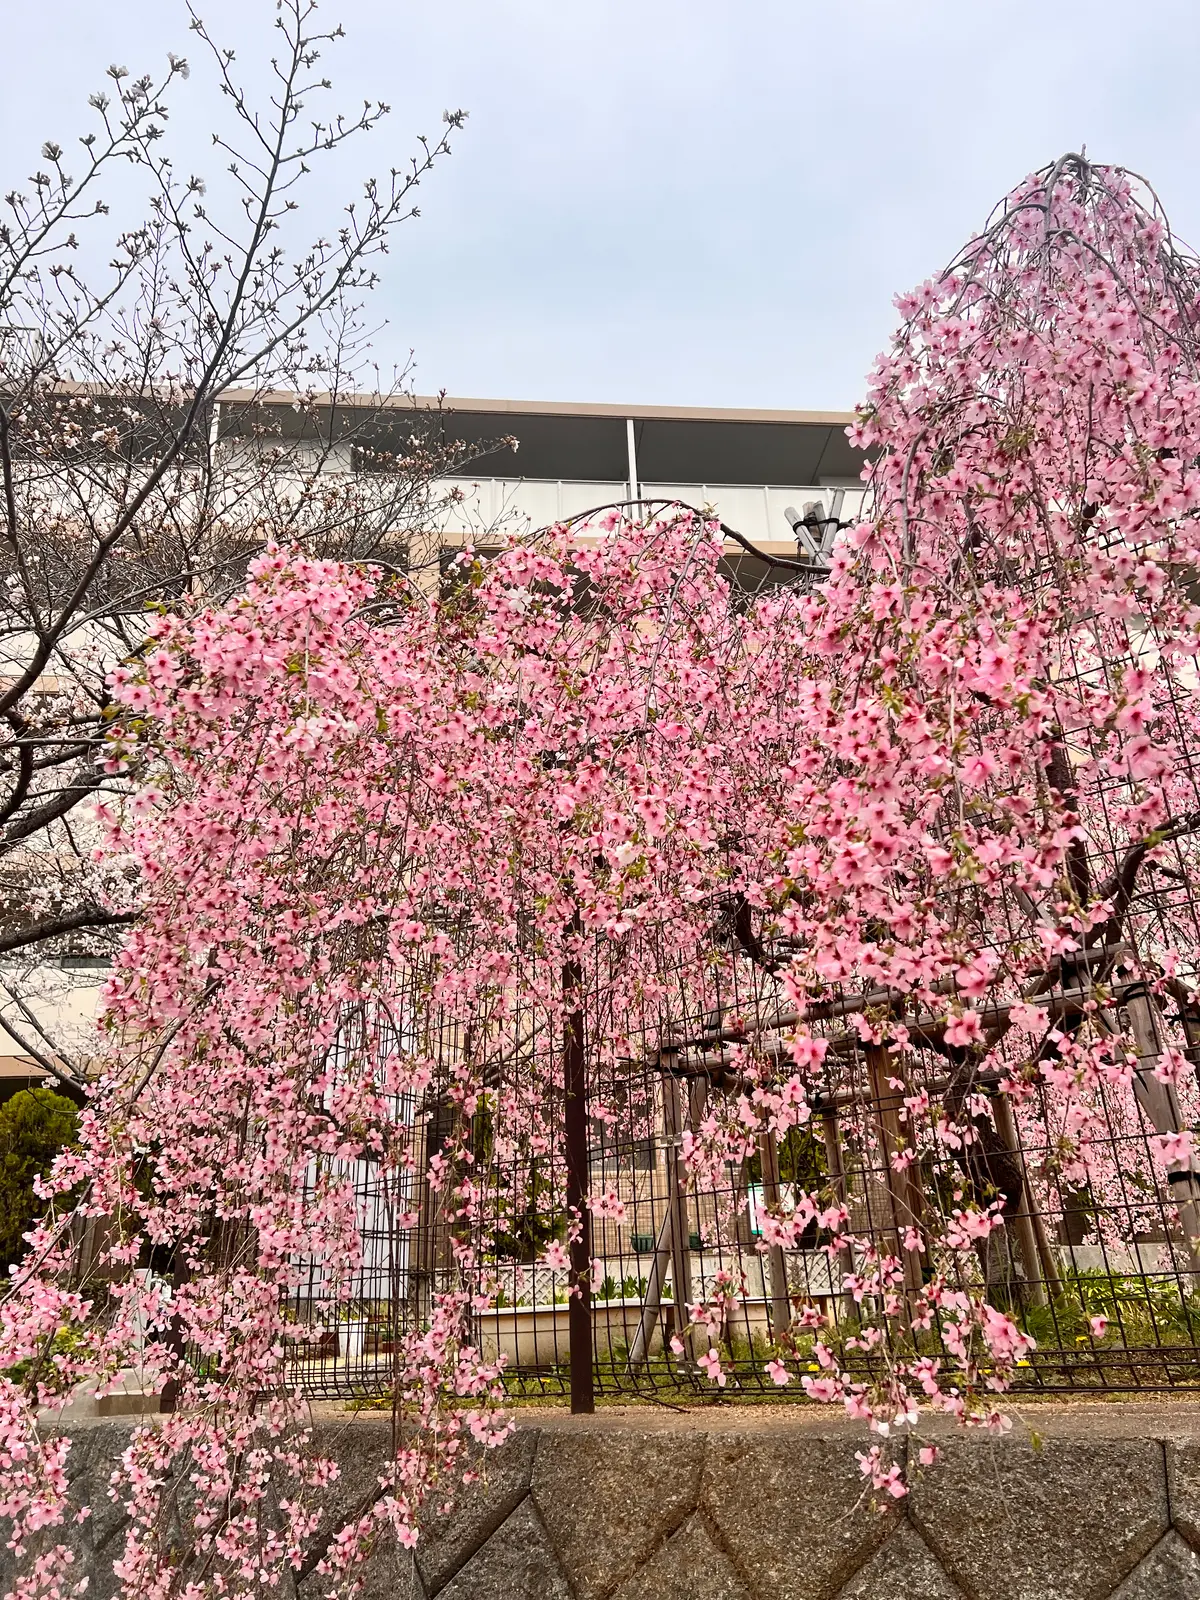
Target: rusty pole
x,y
903,1194
780,1300
575,1118
831,1134
677,1210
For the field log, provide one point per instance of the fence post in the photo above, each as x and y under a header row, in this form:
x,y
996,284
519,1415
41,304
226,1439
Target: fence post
x,y
579,1219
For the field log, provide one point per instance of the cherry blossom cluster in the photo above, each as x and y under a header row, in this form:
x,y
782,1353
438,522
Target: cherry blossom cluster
x,y
913,842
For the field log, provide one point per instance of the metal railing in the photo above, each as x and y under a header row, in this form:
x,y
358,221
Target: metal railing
x,y
1069,1251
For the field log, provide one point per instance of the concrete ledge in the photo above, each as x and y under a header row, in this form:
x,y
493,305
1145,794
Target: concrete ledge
x,y
1079,1502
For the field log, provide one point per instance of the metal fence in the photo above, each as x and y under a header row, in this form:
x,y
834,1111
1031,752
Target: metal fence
x,y
658,1238
1095,1261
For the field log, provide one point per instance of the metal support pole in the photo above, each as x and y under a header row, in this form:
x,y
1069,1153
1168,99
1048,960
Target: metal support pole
x,y
579,1220
681,1267
652,1304
635,492
781,1305
1140,1015
832,1139
903,1194
1023,1224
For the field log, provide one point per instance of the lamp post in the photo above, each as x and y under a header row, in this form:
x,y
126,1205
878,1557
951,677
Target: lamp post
x,y
814,528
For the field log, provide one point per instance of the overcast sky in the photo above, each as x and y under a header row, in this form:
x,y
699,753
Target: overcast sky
x,y
702,202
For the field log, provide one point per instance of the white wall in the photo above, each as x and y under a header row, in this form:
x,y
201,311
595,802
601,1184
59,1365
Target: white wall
x,y
500,505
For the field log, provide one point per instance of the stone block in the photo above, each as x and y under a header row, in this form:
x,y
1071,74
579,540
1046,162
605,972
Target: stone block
x,y
791,1509
516,1563
448,1543
609,1496
388,1573
105,1444
74,1533
360,1445
689,1566
1066,1521
1170,1572
125,1395
903,1566
1183,1483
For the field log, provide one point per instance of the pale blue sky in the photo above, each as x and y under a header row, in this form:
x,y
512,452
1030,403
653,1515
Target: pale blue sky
x,y
681,201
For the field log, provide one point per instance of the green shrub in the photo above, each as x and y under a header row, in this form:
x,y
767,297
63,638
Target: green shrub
x,y
34,1126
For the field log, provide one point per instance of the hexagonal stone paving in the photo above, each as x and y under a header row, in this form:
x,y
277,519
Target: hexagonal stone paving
x,y
1170,1572
448,1542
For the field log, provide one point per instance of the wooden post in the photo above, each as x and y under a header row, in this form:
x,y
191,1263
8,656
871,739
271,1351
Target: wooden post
x,y
832,1138
697,1110
681,1268
652,1304
434,1254
903,1194
781,1305
697,1101
1139,1014
1047,1255
579,1220
696,1113
1023,1224
168,1400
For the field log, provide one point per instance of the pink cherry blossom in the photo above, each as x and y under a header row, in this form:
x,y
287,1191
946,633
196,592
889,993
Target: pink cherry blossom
x,y
888,821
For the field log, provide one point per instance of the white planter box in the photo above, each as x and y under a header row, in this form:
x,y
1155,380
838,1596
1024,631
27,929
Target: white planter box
x,y
352,1338
539,1336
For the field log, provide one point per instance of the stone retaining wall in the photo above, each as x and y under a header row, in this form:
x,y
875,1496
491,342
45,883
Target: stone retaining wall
x,y
1103,1504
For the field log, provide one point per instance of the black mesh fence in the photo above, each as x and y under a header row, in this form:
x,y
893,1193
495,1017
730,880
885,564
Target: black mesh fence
x,y
1112,1243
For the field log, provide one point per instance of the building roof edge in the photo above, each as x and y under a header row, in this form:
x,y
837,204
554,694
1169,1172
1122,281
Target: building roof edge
x,y
557,408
